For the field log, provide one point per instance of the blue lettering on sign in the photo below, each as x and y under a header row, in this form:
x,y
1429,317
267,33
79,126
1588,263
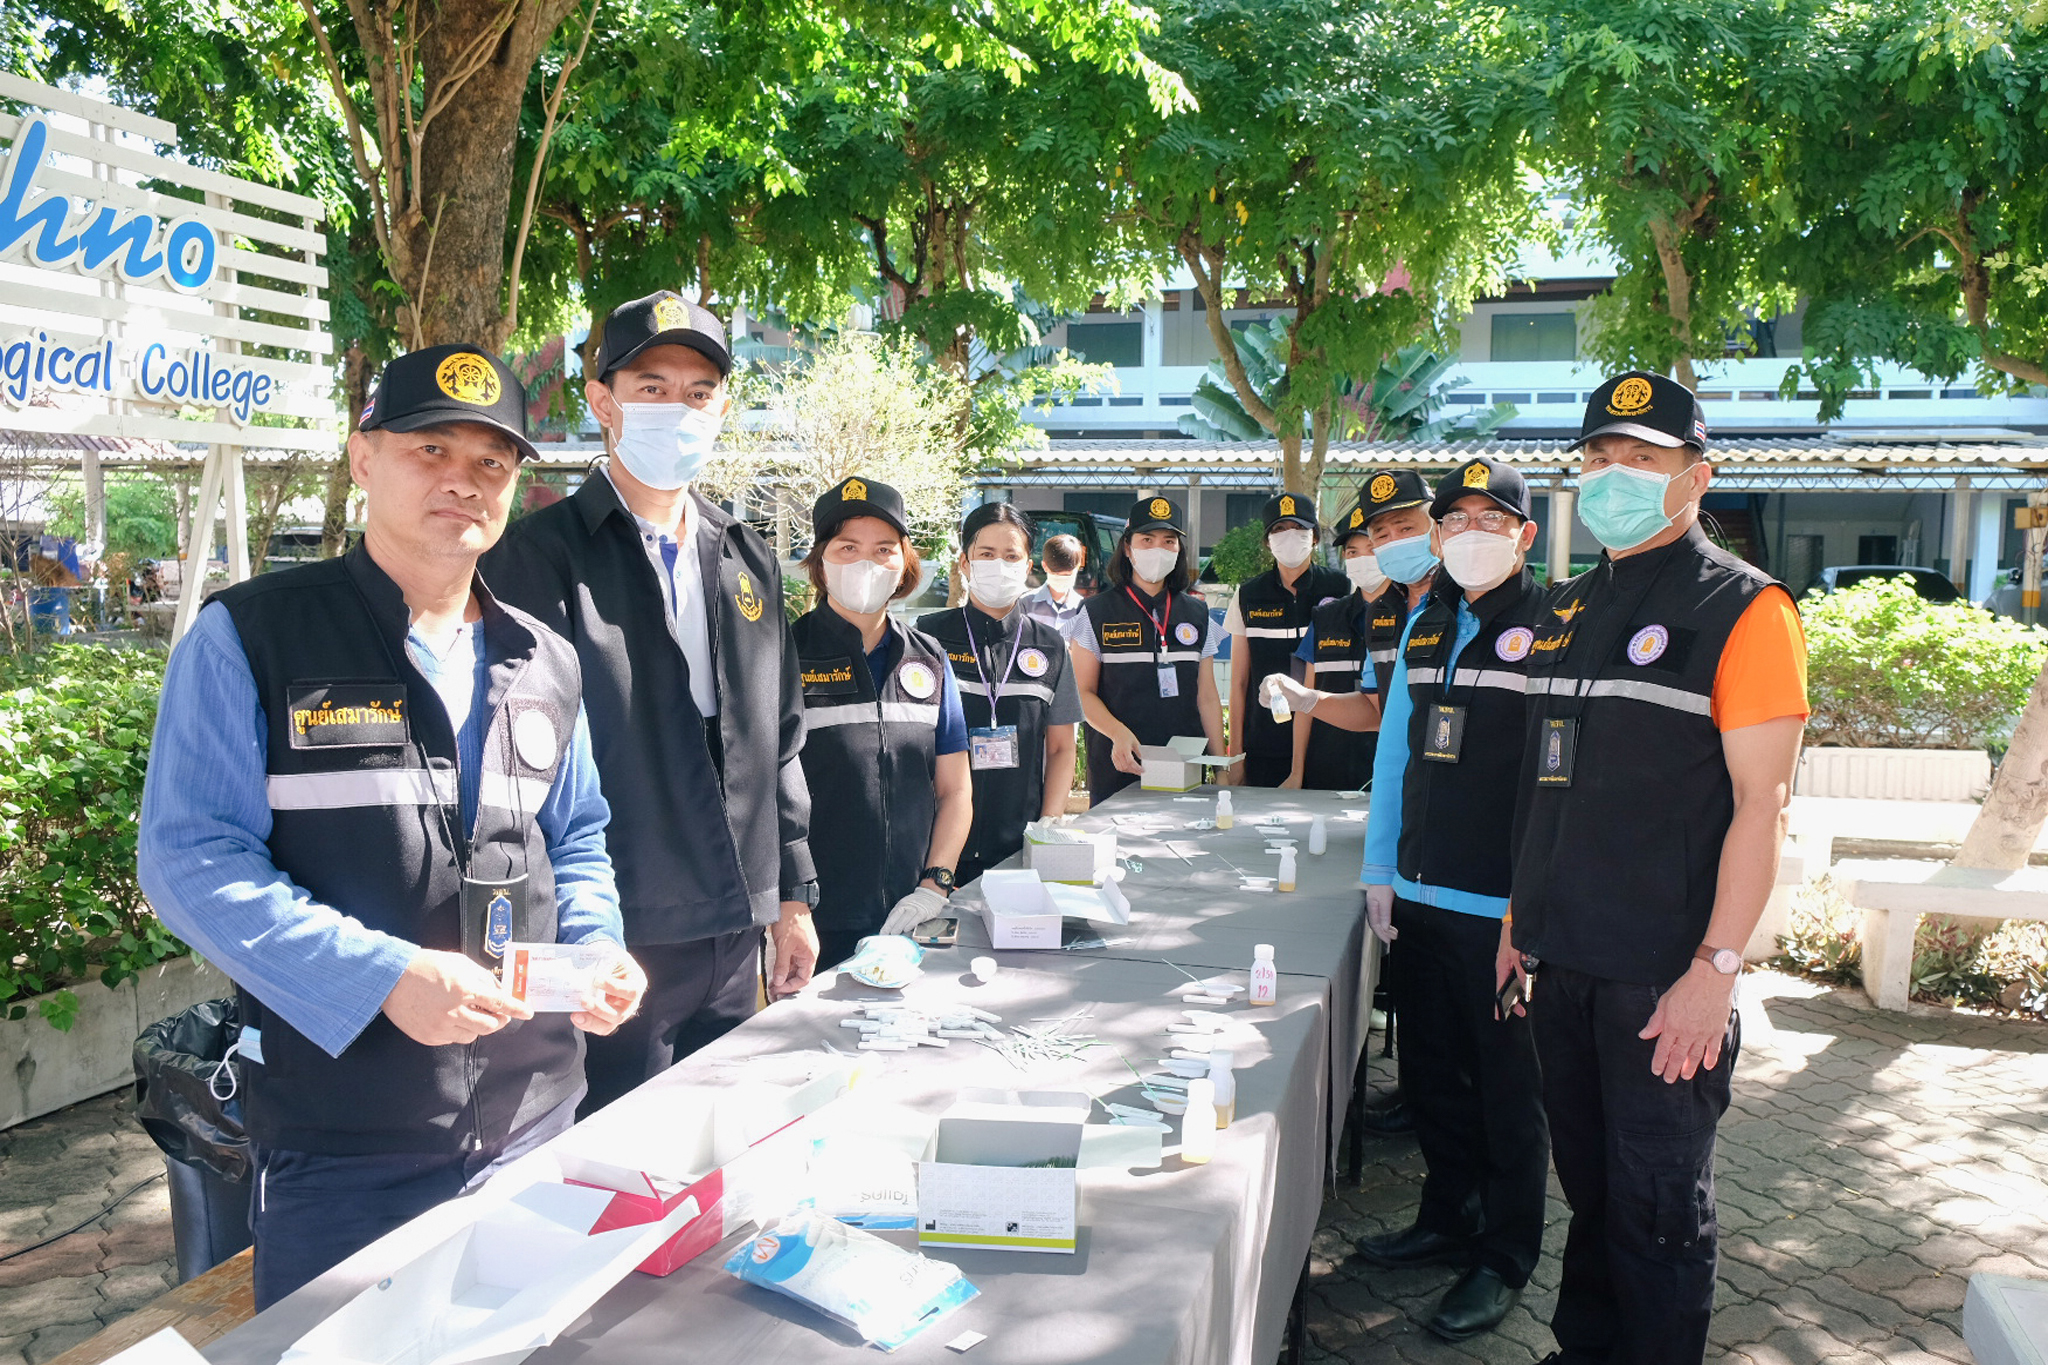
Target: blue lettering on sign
x,y
126,240
202,379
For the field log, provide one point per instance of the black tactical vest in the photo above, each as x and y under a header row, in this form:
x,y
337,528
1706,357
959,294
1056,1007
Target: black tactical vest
x,y
1616,870
871,763
1131,653
1005,799
1457,818
1340,760
365,815
1274,620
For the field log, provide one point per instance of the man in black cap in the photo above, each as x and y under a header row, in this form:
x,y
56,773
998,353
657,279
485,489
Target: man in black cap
x,y
1266,622
1437,872
371,785
1667,696
675,609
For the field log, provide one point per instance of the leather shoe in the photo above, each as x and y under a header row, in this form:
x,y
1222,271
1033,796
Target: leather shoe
x,y
1475,1304
1388,1120
1415,1246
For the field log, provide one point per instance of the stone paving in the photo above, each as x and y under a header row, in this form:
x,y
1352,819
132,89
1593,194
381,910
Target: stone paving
x,y
1870,1164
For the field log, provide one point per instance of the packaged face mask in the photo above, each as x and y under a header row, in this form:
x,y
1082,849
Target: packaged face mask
x,y
862,586
664,445
881,1291
889,961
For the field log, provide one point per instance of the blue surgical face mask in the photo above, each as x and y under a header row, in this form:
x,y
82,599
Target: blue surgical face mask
x,y
664,445
1623,507
1406,561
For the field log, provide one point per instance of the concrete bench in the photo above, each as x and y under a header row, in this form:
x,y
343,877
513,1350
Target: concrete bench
x,y
2005,1320
1894,893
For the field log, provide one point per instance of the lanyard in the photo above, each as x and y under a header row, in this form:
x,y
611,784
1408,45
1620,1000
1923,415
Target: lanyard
x,y
1158,623
995,689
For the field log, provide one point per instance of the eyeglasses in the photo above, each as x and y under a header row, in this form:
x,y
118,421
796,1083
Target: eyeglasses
x,y
1492,522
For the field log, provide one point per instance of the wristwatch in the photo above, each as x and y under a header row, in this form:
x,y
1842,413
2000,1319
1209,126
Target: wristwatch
x,y
1726,961
942,875
806,892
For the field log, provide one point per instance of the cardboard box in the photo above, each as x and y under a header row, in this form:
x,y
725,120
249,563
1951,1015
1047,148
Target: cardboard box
x,y
1023,910
1058,852
737,1153
1000,1172
493,1292
1179,765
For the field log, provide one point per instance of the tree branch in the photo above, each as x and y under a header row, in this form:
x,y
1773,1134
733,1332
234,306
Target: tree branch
x,y
535,176
1208,275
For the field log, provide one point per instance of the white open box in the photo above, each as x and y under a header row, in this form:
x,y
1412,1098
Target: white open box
x,y
1058,852
999,1172
1023,910
495,1291
1179,765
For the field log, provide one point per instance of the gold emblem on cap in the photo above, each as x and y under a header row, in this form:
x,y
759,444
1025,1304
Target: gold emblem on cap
x,y
468,378
1357,516
1286,506
853,490
1162,509
748,601
1476,476
1383,488
1630,396
670,313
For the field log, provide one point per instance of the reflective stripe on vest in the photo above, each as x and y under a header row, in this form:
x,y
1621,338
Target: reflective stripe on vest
x,y
863,712
973,687
1172,656
1656,694
376,787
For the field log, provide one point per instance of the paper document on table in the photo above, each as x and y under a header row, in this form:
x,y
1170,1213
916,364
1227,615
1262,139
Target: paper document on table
x,y
555,978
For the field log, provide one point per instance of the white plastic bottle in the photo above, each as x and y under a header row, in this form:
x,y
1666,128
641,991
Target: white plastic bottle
x,y
1319,836
1265,976
1224,1081
1198,1124
1224,818
1283,710
1287,869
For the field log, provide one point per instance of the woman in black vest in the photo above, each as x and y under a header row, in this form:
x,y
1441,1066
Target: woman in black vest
x,y
1016,688
1266,623
1141,651
1337,652
885,746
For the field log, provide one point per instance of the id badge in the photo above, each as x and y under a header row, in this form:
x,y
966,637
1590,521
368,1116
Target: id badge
x,y
494,913
1169,680
1443,734
1554,760
992,746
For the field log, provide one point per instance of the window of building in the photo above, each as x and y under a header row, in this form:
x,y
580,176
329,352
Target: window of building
x,y
1877,549
1239,508
1101,504
1108,343
1535,336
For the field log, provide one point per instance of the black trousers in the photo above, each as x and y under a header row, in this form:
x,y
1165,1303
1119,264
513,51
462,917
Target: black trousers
x,y
1267,770
836,945
697,992
1474,1088
1636,1158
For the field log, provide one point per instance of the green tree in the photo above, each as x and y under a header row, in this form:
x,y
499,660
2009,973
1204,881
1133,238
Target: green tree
x,y
1360,167
1926,210
1666,125
142,515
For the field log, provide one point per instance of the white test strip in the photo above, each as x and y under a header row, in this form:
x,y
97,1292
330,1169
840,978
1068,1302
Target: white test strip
x,y
966,1342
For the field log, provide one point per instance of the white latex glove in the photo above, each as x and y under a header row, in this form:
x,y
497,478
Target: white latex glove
x,y
1379,913
1301,699
913,910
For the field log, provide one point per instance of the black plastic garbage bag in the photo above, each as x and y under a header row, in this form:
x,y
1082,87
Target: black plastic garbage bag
x,y
188,1088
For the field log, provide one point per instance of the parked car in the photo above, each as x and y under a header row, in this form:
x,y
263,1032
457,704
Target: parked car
x,y
1931,584
2005,598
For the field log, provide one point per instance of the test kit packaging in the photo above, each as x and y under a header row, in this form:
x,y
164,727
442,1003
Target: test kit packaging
x,y
1059,852
1179,765
495,1291
1023,910
734,1153
999,1173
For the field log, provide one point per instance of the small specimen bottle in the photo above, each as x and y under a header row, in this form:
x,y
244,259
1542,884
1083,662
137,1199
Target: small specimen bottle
x,y
1224,818
1319,836
1198,1124
1287,869
1265,976
1224,1081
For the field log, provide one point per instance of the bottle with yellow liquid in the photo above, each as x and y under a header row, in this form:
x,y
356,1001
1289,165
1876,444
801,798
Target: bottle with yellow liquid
x,y
1224,817
1287,869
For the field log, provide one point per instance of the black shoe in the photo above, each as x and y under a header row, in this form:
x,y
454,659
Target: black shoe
x,y
1415,1247
1475,1304
1389,1120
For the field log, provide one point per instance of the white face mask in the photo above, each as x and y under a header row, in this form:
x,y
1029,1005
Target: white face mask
x,y
1292,548
1154,565
1061,583
997,582
1364,573
664,444
862,586
1478,561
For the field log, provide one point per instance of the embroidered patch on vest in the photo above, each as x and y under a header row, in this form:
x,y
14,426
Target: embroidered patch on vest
x,y
917,679
1647,645
1120,633
1513,644
1032,663
747,600
346,715
828,677
1186,633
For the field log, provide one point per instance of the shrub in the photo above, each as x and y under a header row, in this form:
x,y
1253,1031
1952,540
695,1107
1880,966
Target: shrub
x,y
1978,963
1887,669
75,723
1242,554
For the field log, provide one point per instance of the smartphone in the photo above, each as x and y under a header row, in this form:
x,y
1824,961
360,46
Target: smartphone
x,y
1511,994
942,932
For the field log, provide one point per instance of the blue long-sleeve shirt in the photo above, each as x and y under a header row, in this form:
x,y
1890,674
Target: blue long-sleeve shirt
x,y
1389,764
204,860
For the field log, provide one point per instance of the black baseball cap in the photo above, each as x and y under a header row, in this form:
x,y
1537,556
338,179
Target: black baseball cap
x,y
1388,490
450,384
1652,407
663,318
1289,507
1156,514
1489,478
857,497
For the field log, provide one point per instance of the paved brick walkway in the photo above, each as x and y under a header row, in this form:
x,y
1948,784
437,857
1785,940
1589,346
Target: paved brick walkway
x,y
1871,1163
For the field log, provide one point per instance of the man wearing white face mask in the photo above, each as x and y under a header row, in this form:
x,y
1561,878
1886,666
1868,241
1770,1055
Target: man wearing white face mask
x,y
675,609
1266,622
1058,600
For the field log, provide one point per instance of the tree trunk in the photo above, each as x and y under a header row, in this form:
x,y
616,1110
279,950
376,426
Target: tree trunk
x,y
1291,472
355,396
1319,453
1678,296
2004,831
